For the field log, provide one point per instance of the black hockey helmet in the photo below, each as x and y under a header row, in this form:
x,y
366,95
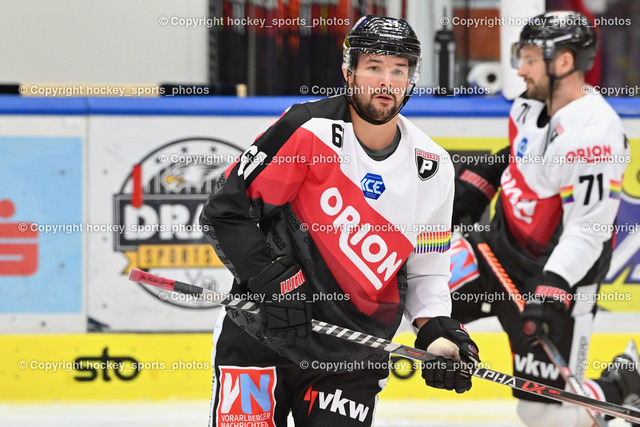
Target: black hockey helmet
x,y
381,35
559,30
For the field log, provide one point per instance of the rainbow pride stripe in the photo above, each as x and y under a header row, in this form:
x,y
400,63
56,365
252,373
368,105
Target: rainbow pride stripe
x,y
566,194
439,241
615,188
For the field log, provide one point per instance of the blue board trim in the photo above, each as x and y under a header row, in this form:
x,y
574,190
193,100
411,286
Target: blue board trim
x,y
425,106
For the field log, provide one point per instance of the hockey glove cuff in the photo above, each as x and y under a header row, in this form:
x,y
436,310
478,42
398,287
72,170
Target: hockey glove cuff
x,y
476,185
286,309
545,312
472,195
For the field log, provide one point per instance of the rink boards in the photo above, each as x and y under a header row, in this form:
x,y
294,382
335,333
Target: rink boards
x,y
100,367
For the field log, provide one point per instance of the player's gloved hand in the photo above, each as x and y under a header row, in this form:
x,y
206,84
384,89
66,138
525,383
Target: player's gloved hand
x,y
286,310
457,354
469,201
545,312
476,184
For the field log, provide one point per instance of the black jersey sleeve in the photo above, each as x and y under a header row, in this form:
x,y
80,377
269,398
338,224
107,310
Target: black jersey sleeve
x,y
232,216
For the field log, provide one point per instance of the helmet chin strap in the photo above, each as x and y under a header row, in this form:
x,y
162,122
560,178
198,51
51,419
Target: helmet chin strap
x,y
365,116
553,78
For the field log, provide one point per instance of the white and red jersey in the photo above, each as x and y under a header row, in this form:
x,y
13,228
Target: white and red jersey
x,y
372,236
560,192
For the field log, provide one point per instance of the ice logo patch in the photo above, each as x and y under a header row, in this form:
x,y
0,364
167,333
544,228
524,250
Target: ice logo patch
x,y
372,186
522,147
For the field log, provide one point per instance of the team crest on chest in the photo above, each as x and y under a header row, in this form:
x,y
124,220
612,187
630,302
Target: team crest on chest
x,y
556,132
427,164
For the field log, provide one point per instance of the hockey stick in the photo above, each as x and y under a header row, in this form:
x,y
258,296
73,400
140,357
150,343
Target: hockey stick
x,y
549,348
501,275
567,375
390,347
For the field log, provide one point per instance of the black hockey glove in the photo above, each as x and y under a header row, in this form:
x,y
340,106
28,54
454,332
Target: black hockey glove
x,y
286,310
476,185
545,312
469,201
444,334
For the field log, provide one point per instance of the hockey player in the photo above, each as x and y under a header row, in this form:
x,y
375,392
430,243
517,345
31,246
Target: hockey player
x,y
340,211
560,181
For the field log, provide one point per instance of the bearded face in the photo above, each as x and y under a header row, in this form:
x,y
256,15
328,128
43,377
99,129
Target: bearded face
x,y
378,85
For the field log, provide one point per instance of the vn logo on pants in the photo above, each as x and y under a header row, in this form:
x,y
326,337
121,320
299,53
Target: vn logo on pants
x,y
246,396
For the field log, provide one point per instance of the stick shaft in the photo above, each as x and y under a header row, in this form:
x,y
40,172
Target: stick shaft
x,y
223,299
556,357
402,350
501,275
567,375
